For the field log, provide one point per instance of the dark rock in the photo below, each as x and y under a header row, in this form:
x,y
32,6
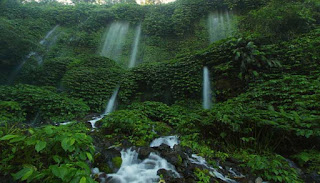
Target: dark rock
x,y
169,177
144,152
312,177
126,144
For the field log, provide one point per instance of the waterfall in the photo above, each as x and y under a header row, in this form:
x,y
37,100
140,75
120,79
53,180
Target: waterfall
x,y
114,40
17,69
135,47
111,104
109,108
45,41
39,58
206,89
219,25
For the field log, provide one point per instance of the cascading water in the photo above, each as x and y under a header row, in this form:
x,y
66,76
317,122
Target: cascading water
x,y
45,41
134,170
168,140
109,108
206,89
201,161
112,101
39,58
114,40
220,25
135,47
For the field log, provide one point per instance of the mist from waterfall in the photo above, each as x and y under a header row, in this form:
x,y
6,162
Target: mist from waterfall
x,y
135,47
220,25
207,97
114,40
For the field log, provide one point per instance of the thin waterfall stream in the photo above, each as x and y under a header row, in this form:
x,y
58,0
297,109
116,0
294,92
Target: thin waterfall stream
x,y
46,41
207,93
135,47
109,108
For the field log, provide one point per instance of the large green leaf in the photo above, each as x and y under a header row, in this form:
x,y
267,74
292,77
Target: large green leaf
x,y
40,146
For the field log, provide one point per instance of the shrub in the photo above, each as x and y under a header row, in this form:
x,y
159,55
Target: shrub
x,y
129,124
93,80
50,105
11,112
47,154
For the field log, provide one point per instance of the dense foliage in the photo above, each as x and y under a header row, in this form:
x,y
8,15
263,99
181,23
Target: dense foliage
x,y
265,85
44,102
48,154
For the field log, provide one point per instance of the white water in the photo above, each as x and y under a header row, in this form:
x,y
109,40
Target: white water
x,y
109,108
114,40
135,47
45,39
220,25
207,100
168,140
133,170
111,104
213,172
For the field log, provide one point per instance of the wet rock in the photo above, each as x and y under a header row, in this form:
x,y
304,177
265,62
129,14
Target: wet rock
x,y
169,177
144,152
105,160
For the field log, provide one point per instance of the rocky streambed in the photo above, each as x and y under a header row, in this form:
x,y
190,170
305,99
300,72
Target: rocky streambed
x,y
163,161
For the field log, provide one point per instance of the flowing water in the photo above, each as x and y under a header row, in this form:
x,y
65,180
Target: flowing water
x,y
109,108
45,40
220,25
168,140
207,97
135,47
111,104
134,170
201,161
114,40
19,67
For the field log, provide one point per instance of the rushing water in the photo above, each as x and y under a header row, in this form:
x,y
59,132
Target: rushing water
x,y
201,161
168,140
207,100
134,170
220,25
135,47
109,108
114,40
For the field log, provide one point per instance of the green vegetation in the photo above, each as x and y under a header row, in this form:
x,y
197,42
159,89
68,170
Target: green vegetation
x,y
265,84
48,153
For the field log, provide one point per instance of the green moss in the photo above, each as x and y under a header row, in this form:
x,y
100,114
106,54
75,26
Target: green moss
x,y
117,161
105,168
179,160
